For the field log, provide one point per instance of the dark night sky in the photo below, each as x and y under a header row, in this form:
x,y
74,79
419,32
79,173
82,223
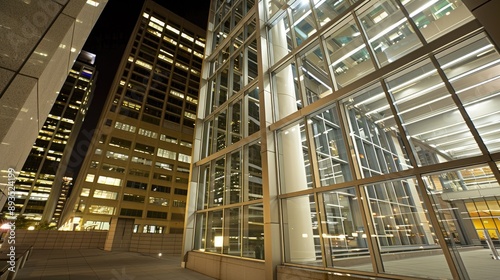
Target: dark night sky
x,y
107,41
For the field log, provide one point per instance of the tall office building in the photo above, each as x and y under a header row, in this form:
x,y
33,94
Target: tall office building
x,y
137,166
347,138
40,42
40,183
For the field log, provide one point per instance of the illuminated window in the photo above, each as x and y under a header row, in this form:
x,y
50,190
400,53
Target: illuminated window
x,y
166,154
109,181
85,192
105,194
90,178
184,158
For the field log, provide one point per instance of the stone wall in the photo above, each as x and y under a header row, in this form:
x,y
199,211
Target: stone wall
x,y
53,239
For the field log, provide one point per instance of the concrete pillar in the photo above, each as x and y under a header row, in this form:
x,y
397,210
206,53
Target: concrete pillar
x,y
300,233
119,235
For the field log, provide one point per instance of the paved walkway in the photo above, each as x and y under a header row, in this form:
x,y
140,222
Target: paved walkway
x,y
88,264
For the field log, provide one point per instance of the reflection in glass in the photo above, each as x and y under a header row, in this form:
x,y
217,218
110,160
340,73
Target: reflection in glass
x,y
438,131
253,111
467,204
220,135
402,229
344,234
349,57
293,156
473,69
216,195
213,237
388,31
235,123
314,74
377,143
300,226
302,21
436,18
328,10
232,232
234,189
253,174
253,231
331,151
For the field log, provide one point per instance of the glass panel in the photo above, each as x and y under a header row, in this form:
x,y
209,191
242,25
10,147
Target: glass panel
x,y
327,10
302,21
280,39
251,62
349,57
473,68
377,143
274,6
293,156
388,31
403,232
300,229
232,232
286,88
223,85
253,111
314,74
429,115
214,237
234,190
436,18
330,148
204,187
207,136
253,174
253,231
466,219
235,124
344,234
455,184
220,136
218,178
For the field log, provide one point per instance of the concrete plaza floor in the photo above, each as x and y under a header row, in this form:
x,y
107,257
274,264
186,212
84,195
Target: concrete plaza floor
x,y
88,264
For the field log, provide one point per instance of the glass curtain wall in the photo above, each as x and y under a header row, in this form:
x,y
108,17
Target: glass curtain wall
x,y
387,104
384,128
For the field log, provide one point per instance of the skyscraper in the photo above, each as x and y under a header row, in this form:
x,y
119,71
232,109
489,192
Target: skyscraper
x,y
347,138
40,181
138,162
41,41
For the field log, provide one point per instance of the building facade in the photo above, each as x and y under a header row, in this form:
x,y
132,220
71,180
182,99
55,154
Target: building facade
x,y
348,138
137,166
40,183
42,40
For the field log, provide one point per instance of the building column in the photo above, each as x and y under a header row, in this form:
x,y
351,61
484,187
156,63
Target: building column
x,y
299,224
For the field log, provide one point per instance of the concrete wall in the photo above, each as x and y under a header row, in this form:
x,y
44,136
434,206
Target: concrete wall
x,y
147,243
53,239
221,267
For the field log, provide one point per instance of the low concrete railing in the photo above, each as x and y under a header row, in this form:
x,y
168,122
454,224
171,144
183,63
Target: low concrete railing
x,y
53,239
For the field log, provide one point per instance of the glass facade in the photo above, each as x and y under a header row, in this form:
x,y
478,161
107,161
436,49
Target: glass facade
x,y
370,138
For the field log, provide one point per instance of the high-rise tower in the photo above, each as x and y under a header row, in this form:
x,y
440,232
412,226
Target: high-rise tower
x,y
352,137
40,42
138,162
40,182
